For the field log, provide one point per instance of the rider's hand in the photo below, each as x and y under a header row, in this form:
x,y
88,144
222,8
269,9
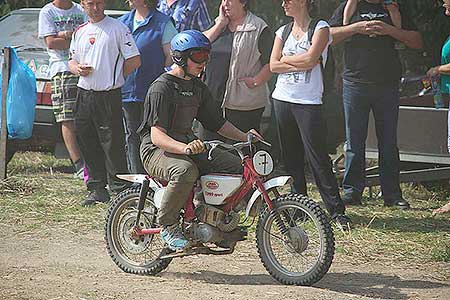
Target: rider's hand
x,y
195,147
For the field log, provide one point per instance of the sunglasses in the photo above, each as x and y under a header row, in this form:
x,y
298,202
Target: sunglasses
x,y
199,56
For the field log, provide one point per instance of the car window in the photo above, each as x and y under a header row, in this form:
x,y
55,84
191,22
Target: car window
x,y
20,29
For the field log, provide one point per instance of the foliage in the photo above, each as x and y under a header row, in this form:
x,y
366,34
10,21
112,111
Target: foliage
x,y
428,15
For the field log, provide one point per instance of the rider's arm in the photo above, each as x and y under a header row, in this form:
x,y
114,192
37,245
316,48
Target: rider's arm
x,y
165,142
310,59
230,131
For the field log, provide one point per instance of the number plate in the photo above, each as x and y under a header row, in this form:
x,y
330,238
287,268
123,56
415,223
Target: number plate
x,y
263,163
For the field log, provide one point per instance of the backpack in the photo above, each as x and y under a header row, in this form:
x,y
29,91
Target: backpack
x,y
332,106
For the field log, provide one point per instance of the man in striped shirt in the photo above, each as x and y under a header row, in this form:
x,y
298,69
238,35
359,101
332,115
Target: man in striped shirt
x,y
187,14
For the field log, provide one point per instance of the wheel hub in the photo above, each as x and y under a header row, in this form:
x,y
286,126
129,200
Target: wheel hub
x,y
297,240
133,243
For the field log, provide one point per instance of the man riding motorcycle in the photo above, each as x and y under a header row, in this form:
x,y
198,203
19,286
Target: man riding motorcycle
x,y
169,148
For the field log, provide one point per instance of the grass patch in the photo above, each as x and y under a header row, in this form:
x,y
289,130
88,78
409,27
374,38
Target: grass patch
x,y
41,196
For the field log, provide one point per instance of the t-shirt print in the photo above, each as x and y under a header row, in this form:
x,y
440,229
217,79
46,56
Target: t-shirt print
x,y
291,49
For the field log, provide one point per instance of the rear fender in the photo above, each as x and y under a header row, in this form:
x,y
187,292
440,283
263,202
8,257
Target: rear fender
x,y
271,183
139,178
156,187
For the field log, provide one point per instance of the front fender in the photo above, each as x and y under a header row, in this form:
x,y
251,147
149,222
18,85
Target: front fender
x,y
274,182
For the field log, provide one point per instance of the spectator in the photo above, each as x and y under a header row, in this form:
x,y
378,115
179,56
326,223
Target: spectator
x,y
390,6
102,53
298,104
173,101
152,32
443,71
57,21
371,76
187,14
239,69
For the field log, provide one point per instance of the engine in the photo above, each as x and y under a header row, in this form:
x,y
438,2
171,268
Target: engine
x,y
216,226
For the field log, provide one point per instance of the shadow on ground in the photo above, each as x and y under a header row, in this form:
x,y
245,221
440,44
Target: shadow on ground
x,y
374,285
361,284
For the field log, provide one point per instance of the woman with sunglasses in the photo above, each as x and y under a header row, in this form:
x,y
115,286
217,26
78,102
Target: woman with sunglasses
x,y
239,69
172,103
298,104
443,71
152,32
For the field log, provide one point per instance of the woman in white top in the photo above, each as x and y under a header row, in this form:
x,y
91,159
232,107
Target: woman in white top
x,y
297,104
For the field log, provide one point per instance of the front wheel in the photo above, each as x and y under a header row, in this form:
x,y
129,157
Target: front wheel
x,y
295,241
136,255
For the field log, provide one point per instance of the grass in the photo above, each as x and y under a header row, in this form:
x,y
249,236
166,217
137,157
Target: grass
x,y
40,195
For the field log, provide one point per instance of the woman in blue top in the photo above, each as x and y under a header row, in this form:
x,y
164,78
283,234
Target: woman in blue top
x,y
443,71
152,32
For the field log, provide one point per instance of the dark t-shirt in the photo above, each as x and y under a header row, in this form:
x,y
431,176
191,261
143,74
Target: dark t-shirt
x,y
217,71
172,103
371,59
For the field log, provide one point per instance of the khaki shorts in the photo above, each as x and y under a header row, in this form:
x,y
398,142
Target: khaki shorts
x,y
64,96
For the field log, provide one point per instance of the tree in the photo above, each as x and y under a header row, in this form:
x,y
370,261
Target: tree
x,y
428,15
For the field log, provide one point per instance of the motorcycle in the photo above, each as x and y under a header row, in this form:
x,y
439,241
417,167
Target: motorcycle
x,y
294,238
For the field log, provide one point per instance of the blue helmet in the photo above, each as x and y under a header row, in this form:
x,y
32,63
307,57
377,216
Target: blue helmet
x,y
186,41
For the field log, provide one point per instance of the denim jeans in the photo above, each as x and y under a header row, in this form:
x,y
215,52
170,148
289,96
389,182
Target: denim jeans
x,y
383,101
132,117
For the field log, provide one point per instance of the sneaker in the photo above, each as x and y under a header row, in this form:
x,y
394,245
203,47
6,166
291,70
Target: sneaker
x,y
173,237
79,174
341,221
95,196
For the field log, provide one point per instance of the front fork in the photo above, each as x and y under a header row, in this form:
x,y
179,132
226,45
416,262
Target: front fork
x,y
142,196
278,220
137,230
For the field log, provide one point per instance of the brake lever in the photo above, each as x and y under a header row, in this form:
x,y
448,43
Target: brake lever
x,y
211,150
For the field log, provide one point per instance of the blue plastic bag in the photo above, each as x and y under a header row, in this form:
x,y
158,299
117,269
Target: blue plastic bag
x,y
21,99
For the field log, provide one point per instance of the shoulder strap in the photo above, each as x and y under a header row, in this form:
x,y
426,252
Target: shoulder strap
x,y
286,31
312,28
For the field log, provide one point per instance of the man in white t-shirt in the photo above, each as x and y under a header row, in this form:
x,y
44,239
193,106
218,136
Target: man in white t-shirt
x,y
57,21
102,53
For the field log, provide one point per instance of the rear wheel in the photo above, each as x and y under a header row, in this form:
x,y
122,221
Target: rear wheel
x,y
295,241
136,255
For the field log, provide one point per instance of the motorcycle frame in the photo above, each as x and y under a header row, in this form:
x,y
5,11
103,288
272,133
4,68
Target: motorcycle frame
x,y
251,179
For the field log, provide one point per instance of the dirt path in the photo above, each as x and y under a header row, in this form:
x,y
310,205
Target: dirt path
x,y
77,267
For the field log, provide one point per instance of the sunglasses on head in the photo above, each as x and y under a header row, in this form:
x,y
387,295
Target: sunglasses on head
x,y
199,56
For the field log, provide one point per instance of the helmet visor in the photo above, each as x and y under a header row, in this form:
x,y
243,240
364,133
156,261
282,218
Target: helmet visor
x,y
199,56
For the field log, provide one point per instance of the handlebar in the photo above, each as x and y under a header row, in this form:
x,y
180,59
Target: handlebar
x,y
211,145
251,138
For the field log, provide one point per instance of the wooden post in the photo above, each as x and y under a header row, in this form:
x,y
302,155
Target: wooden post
x,y
3,130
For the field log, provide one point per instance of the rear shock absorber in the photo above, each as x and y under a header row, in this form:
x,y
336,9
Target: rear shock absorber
x,y
142,196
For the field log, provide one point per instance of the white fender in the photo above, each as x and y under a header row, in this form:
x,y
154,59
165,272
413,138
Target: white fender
x,y
139,178
274,182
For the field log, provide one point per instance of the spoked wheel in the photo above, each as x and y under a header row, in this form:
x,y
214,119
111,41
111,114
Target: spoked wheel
x,y
134,254
295,241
